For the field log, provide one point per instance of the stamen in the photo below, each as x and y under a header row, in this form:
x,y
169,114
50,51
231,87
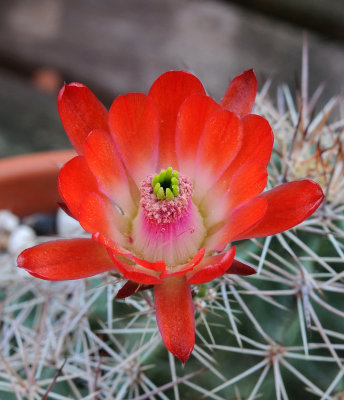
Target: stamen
x,y
166,184
169,194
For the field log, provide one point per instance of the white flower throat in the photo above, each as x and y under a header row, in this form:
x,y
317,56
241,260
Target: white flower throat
x,y
168,226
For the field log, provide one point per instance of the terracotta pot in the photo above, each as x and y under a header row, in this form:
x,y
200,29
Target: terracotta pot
x,y
28,183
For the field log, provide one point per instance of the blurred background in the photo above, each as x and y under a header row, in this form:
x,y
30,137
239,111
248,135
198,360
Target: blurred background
x,y
116,46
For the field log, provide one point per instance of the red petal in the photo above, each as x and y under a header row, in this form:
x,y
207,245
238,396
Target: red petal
x,y
183,269
175,316
97,214
66,259
131,288
135,272
212,268
257,142
241,220
288,205
80,112
104,161
247,182
74,182
169,92
153,266
192,117
241,93
134,125
219,144
239,268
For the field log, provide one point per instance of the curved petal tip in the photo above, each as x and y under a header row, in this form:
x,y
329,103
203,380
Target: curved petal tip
x,y
241,93
65,259
175,316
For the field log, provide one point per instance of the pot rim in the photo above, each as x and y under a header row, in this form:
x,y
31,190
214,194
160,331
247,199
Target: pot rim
x,y
28,183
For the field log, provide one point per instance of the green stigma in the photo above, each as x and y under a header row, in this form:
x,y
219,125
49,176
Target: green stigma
x,y
166,184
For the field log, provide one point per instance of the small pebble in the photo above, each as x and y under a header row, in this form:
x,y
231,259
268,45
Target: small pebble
x,y
42,223
21,238
8,221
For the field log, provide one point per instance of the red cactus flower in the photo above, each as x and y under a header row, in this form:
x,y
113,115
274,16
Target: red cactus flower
x,y
164,182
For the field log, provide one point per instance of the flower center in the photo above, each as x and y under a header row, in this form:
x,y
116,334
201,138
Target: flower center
x,y
167,200
166,184
168,226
